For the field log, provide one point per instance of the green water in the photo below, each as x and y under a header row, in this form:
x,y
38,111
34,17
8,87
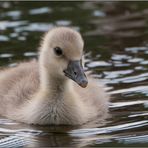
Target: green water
x,y
116,48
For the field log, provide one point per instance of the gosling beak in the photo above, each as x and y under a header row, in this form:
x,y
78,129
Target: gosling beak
x,y
75,72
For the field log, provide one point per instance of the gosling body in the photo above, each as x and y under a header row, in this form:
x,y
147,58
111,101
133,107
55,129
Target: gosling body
x,y
42,92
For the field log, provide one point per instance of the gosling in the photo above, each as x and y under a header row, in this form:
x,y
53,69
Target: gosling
x,y
54,89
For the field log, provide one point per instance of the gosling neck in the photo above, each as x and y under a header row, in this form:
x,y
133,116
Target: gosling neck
x,y
52,82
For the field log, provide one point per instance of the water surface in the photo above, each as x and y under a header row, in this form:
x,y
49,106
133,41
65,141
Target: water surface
x,y
116,49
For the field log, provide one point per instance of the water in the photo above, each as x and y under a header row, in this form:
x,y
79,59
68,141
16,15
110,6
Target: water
x,y
116,49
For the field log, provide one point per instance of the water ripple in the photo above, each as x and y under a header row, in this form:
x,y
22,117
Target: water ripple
x,y
4,38
96,131
13,14
136,49
11,24
133,139
124,104
98,63
116,74
130,79
6,55
39,27
138,89
40,11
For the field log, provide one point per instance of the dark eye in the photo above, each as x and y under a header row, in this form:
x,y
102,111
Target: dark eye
x,y
58,51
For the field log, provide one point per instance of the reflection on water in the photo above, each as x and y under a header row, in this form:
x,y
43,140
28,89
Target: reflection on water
x,y
116,42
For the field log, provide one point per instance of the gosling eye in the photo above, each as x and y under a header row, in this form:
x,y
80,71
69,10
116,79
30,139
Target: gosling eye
x,y
58,51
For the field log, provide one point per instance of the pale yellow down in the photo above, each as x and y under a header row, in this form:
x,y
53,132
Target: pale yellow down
x,y
38,92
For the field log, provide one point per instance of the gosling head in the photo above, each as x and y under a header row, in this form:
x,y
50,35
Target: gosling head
x,y
61,53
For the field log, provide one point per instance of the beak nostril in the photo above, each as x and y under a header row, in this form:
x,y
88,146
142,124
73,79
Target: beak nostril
x,y
75,73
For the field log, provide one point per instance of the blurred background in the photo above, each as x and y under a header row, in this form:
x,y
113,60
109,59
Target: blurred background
x,y
116,49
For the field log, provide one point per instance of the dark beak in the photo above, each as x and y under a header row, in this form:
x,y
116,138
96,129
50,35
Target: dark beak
x,y
75,72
